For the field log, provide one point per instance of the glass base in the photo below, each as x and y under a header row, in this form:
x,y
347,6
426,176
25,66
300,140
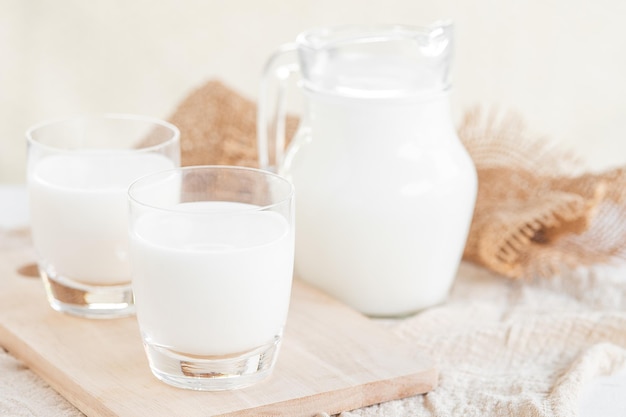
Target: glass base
x,y
212,373
82,300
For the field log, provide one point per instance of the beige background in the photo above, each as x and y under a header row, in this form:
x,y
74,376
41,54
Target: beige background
x,y
560,63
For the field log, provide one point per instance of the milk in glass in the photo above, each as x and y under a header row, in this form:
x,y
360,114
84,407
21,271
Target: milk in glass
x,y
79,212
209,281
382,215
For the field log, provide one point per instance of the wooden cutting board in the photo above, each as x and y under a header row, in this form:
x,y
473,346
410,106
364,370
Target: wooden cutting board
x,y
332,358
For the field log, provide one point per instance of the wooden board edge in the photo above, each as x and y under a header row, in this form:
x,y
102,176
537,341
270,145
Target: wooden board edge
x,y
54,377
348,399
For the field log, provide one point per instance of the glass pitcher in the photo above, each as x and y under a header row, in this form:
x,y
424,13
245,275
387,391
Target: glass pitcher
x,y
385,190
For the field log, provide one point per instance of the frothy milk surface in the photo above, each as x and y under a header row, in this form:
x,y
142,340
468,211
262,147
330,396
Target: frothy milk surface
x,y
79,212
211,283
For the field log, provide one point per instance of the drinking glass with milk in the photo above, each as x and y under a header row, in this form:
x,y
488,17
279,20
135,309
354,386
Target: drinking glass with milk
x,y
386,190
212,262
78,172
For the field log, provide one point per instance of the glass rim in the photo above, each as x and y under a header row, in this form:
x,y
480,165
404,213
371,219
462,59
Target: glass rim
x,y
103,116
148,177
323,37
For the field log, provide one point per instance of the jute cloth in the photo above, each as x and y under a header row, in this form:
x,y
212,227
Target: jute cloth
x,y
538,308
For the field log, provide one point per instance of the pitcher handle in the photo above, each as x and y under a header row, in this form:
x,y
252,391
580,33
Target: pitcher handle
x,y
279,68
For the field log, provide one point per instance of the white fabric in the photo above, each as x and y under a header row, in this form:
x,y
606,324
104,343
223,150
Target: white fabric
x,y
509,348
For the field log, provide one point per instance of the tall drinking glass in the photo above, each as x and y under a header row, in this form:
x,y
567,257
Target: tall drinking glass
x,y
78,171
212,263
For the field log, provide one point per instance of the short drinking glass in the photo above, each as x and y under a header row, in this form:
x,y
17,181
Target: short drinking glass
x,y
78,171
212,263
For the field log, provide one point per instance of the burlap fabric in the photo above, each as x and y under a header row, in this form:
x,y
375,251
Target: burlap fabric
x,y
537,212
218,126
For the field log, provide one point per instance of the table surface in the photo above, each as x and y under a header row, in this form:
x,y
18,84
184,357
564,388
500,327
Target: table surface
x,y
603,397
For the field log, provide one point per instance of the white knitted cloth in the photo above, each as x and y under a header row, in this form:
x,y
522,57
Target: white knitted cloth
x,y
504,348
509,348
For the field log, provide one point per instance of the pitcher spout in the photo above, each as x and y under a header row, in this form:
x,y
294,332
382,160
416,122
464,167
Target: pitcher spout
x,y
376,61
